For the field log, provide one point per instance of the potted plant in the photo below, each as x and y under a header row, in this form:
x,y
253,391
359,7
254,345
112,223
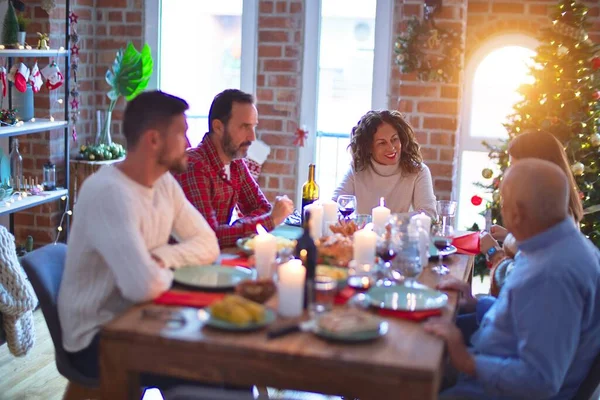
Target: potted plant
x,y
23,23
128,77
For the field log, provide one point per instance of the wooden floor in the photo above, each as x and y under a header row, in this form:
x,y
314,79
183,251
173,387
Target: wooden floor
x,y
35,377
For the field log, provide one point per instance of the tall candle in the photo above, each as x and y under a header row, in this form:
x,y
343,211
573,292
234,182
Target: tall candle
x,y
291,288
265,250
425,220
329,215
316,220
380,215
365,241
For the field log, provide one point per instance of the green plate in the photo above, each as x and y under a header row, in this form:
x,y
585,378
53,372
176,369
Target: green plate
x,y
213,276
228,326
241,244
403,298
353,337
287,231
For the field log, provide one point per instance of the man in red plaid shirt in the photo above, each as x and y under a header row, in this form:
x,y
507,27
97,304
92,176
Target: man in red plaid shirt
x,y
218,180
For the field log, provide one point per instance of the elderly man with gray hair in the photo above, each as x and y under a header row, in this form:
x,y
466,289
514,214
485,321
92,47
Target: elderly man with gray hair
x,y
540,337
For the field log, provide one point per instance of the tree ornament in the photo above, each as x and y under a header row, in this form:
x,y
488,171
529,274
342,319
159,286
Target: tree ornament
x,y
476,200
562,51
596,63
487,173
595,140
596,95
496,196
578,169
43,40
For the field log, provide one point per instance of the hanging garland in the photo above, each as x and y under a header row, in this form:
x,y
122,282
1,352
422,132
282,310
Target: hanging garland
x,y
433,53
74,92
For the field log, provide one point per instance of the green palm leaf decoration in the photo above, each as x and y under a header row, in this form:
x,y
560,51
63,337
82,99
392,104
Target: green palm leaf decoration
x,y
128,77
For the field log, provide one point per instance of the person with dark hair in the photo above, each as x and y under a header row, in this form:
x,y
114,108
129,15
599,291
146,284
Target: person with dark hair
x,y
218,181
387,162
118,251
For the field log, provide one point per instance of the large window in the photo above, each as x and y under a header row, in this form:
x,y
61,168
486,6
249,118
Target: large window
x,y
203,48
493,76
346,70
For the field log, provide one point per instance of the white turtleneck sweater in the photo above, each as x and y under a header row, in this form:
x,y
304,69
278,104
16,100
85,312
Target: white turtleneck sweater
x,y
402,192
118,226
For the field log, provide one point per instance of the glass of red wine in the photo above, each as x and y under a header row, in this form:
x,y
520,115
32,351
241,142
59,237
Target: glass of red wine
x,y
385,253
346,205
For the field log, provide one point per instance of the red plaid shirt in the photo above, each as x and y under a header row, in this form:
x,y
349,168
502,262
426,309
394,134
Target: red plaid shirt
x,y
206,186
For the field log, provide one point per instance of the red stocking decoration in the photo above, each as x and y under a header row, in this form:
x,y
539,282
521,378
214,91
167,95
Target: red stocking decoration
x,y
54,79
3,81
21,78
35,78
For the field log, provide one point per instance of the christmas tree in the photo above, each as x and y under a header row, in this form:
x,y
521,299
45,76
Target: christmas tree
x,y
10,27
564,99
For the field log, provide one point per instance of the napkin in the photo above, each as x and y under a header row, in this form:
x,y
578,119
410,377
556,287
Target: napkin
x,y
467,244
236,262
188,299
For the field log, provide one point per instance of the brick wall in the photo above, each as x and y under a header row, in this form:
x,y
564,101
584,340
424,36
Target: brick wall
x,y
432,108
278,88
104,26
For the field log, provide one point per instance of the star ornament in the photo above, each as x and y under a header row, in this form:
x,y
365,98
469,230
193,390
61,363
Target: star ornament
x,y
73,17
75,50
74,104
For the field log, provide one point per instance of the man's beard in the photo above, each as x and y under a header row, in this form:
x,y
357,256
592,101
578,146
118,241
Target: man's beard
x,y
229,148
177,166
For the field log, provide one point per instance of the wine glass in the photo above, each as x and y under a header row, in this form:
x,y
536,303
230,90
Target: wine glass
x,y
443,233
386,252
346,205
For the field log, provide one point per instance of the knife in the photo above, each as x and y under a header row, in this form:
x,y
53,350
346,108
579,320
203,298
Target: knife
x,y
306,326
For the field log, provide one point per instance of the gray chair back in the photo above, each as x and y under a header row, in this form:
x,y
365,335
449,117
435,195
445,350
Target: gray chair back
x,y
45,267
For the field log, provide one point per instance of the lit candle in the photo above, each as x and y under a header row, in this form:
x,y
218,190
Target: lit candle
x,y
425,220
316,220
291,288
265,250
329,215
381,215
365,241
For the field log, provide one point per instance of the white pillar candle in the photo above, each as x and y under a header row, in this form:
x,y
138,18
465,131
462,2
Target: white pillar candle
x,y
425,220
316,220
365,241
329,215
380,215
291,288
265,251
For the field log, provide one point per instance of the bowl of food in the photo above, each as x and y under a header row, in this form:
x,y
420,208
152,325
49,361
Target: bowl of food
x,y
259,291
340,275
284,245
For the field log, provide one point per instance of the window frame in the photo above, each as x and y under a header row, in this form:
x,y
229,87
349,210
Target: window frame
x,y
466,141
382,64
152,36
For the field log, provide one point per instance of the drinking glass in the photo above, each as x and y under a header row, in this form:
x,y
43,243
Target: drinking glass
x,y
446,209
346,205
385,252
443,233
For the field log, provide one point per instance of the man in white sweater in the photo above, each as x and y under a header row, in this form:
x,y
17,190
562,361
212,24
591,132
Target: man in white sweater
x,y
118,251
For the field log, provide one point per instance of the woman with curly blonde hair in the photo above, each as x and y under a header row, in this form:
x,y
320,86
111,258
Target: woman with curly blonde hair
x,y
387,162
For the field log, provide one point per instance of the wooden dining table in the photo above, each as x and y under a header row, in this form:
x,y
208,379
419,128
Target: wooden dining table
x,y
407,363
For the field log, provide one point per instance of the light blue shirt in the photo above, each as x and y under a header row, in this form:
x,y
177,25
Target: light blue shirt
x,y
540,337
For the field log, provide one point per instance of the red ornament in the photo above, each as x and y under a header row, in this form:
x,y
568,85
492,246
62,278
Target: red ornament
x,y
73,17
476,200
301,135
596,95
581,195
596,63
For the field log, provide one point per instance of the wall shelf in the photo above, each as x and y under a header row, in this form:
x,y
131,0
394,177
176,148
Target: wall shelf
x,y
34,53
31,201
39,125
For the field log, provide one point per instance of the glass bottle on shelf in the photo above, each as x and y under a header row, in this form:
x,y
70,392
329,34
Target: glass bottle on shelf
x,y
49,176
16,166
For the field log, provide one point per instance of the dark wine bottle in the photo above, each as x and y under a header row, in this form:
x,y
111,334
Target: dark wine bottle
x,y
306,250
310,189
